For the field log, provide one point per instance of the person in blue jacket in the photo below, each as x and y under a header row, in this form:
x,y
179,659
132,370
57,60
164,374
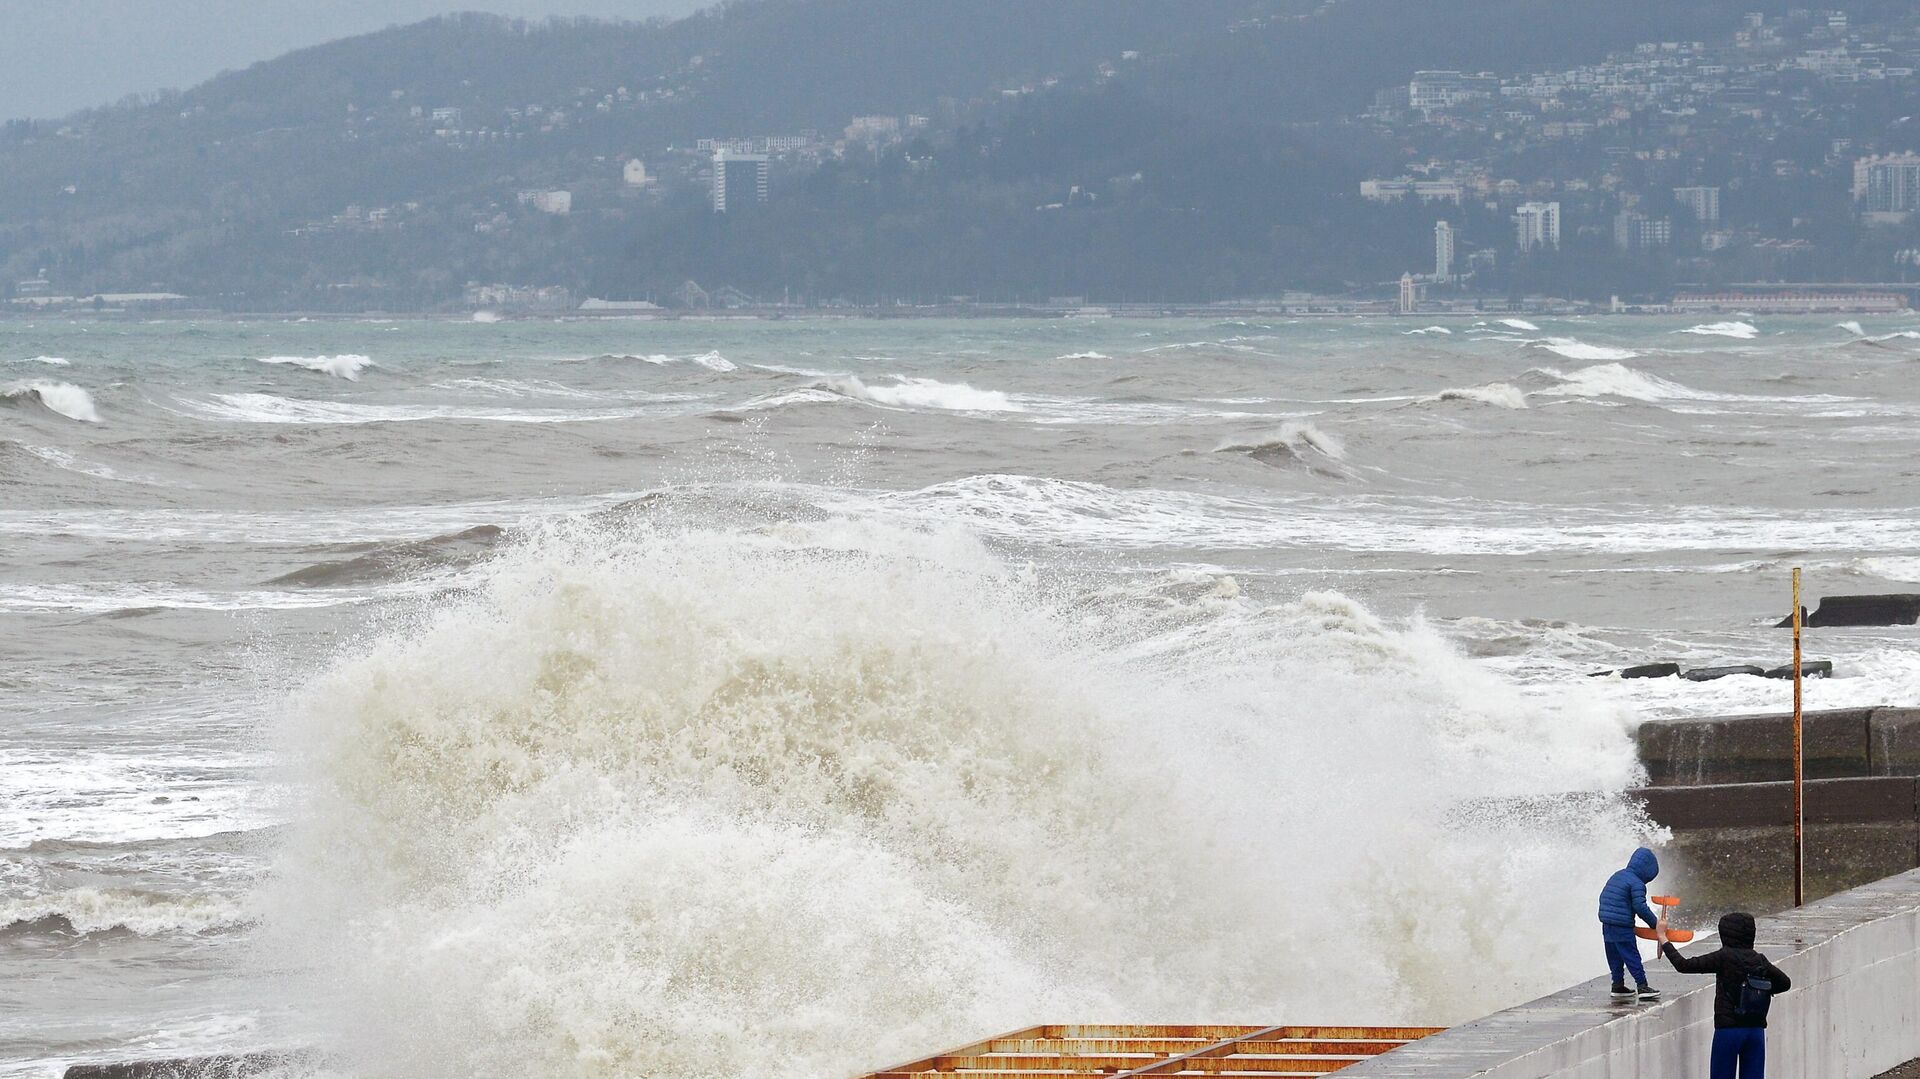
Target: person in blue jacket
x,y
1623,899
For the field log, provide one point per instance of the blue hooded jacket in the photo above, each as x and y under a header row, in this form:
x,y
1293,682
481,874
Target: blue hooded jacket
x,y
1626,896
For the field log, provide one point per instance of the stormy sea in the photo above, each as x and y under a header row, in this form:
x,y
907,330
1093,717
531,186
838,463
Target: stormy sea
x,y
726,697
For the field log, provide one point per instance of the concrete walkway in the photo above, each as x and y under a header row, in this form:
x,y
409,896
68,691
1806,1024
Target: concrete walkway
x,y
1854,1011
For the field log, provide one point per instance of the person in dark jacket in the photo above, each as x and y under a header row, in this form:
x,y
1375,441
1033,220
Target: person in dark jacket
x,y
1623,899
1739,1004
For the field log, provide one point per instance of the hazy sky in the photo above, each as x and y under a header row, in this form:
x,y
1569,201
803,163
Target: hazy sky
x,y
61,55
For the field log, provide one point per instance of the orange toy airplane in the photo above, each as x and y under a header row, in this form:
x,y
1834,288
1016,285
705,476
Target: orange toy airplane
x,y
1677,936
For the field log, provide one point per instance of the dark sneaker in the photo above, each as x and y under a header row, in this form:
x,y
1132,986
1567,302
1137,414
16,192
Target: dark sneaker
x,y
1648,992
1621,992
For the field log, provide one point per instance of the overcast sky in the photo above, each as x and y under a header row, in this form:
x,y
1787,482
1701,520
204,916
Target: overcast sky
x,y
60,55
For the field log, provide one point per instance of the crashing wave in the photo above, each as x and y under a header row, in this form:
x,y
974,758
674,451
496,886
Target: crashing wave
x,y
1745,331
50,361
1502,394
96,910
347,366
1616,380
62,397
1084,356
907,392
1291,440
648,794
1575,349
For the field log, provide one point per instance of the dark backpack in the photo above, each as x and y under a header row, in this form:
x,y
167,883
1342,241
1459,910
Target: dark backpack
x,y
1756,994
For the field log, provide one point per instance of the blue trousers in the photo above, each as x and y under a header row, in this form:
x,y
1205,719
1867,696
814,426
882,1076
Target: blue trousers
x,y
1745,1047
1625,953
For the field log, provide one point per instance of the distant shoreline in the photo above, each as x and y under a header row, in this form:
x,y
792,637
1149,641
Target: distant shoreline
x,y
877,314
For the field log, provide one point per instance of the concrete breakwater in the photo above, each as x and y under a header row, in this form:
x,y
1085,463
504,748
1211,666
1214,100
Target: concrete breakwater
x,y
1724,787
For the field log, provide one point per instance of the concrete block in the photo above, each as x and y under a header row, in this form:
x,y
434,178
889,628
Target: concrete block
x,y
1896,609
1753,749
1893,742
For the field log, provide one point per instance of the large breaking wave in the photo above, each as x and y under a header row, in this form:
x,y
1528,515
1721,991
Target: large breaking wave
x,y
678,799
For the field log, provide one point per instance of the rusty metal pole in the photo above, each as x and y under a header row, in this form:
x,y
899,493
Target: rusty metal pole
x,y
1799,770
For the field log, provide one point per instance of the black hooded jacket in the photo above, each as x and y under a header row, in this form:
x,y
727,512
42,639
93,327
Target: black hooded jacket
x,y
1731,966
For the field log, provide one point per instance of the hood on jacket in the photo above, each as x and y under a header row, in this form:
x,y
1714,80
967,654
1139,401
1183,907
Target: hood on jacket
x,y
1736,929
1644,865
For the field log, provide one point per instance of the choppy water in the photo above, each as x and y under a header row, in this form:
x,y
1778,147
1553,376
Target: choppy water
x,y
748,698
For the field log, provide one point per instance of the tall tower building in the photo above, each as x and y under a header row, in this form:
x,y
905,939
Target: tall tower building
x,y
1409,294
1442,251
1889,184
738,179
1702,202
1536,225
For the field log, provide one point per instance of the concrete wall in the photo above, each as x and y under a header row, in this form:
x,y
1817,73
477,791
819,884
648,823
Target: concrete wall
x,y
1854,1011
1759,748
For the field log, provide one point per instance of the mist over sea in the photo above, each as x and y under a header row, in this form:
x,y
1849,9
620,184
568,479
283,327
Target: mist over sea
x,y
718,698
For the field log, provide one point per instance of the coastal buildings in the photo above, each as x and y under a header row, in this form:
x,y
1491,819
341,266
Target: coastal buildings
x,y
1888,183
1424,190
1702,202
1638,232
1432,90
739,179
1442,251
1537,226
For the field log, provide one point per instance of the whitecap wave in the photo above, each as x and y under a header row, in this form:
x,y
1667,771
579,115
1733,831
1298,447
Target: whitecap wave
x,y
50,361
907,392
269,408
347,366
712,361
1852,327
1501,394
1745,331
64,460
1084,356
1888,568
1427,329
1575,349
62,397
95,910
1520,324
1292,439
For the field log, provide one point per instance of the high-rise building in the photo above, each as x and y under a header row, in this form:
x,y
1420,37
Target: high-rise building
x,y
1442,251
1409,294
1637,232
738,179
1537,225
1702,202
1889,184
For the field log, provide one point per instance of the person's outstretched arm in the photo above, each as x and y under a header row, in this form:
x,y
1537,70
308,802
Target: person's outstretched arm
x,y
1781,983
1699,964
1637,895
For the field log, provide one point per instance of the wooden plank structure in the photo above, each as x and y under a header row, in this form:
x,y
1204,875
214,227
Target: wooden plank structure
x,y
1116,1051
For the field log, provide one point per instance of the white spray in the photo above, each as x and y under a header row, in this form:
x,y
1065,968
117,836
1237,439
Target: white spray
x,y
800,800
